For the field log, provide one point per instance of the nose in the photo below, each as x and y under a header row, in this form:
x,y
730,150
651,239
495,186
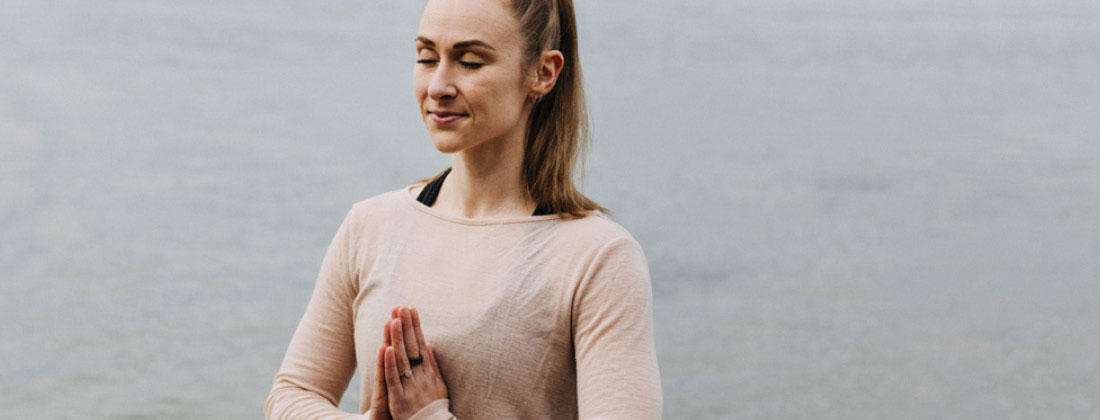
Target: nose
x,y
442,87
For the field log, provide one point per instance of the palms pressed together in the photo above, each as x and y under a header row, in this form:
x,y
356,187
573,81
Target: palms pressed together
x,y
401,389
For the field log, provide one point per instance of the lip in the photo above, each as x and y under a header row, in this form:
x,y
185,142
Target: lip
x,y
446,118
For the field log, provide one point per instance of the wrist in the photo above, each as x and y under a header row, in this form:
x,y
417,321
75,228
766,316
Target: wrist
x,y
438,409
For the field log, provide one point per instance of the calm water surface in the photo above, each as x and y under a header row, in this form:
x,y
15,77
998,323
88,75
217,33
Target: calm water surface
x,y
851,209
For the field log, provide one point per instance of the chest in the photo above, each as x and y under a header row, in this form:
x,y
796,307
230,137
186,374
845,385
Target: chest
x,y
495,309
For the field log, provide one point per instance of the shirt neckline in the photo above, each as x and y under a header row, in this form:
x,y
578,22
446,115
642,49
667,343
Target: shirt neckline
x,y
472,221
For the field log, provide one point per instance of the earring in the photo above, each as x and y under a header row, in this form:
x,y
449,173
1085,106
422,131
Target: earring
x,y
537,98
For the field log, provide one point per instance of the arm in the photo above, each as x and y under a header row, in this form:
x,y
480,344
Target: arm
x,y
617,374
320,359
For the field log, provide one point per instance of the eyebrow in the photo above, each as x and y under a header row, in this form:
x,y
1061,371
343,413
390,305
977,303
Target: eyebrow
x,y
459,45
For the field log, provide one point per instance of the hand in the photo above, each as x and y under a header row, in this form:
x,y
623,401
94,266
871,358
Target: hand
x,y
408,394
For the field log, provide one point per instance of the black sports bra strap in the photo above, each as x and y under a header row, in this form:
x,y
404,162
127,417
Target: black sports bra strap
x,y
431,191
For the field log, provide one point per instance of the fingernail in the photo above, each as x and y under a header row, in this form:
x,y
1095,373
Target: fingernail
x,y
405,311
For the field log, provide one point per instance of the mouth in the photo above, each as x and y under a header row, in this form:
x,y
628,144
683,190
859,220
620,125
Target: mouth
x,y
445,118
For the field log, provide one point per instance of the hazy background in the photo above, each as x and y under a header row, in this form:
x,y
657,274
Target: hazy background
x,y
851,209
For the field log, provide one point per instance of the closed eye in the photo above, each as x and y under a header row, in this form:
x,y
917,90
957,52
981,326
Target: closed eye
x,y
466,64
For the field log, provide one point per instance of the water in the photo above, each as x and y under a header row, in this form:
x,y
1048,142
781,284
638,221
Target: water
x,y
851,209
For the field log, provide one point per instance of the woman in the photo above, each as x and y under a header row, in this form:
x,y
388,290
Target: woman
x,y
529,302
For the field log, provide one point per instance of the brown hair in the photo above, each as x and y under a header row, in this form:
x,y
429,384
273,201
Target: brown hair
x,y
558,126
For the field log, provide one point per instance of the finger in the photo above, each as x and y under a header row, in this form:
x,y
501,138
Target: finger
x,y
380,368
431,358
386,334
420,341
395,312
398,338
411,346
393,382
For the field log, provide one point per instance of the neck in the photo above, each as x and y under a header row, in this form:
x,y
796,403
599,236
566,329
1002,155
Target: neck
x,y
485,181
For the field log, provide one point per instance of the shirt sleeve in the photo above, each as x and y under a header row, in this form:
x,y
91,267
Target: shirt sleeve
x,y
617,374
320,359
436,410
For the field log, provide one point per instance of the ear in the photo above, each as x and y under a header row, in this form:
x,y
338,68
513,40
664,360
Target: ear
x,y
547,70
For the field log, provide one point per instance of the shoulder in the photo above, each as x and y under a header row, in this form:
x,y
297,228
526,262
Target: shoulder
x,y
380,204
366,216
595,231
613,270
597,245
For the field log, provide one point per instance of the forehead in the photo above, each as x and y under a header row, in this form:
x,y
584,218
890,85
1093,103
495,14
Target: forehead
x,y
449,21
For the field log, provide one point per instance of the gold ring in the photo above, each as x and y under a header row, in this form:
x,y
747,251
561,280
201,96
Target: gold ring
x,y
407,373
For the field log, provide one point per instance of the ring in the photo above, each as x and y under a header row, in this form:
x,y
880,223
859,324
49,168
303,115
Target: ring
x,y
407,373
418,360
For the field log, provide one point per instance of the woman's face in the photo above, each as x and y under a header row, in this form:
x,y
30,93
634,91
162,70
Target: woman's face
x,y
468,78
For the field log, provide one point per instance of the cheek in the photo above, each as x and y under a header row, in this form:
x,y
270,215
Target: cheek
x,y
499,97
420,84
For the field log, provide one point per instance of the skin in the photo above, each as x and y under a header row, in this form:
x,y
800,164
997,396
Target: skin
x,y
394,396
496,93
494,89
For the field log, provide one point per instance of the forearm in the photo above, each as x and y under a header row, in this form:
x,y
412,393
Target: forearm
x,y
288,401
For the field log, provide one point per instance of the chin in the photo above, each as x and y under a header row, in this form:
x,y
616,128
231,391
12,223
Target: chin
x,y
448,143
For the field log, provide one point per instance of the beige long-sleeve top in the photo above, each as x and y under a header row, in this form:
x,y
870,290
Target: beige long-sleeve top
x,y
536,317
